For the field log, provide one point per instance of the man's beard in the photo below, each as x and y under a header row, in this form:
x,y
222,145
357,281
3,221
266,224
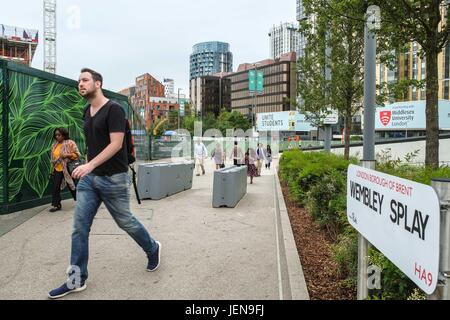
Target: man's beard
x,y
89,95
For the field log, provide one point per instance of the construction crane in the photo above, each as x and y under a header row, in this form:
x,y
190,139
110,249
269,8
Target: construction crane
x,y
50,36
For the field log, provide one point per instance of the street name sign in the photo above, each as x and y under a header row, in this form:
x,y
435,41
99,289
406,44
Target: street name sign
x,y
401,218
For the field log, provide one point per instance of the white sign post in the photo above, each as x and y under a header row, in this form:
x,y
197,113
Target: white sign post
x,y
401,218
332,117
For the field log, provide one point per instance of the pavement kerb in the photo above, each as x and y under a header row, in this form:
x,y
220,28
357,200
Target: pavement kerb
x,y
295,287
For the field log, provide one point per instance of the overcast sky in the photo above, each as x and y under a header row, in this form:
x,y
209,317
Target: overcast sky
x,y
123,39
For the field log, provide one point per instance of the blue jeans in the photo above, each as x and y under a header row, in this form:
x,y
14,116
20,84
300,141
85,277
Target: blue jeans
x,y
114,192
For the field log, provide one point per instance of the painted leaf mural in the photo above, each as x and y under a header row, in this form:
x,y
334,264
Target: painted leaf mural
x,y
1,137
37,104
37,107
37,172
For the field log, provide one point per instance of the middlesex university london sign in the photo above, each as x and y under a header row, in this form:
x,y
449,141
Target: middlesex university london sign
x,y
401,218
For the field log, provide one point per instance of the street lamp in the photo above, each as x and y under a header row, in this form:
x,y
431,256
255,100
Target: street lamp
x,y
179,108
255,94
373,23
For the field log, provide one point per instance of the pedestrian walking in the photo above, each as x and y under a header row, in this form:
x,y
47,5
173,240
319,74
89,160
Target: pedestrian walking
x,y
250,159
201,154
261,158
268,157
237,155
103,179
218,156
63,151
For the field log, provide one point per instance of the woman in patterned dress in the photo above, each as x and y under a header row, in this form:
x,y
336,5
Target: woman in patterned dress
x,y
250,158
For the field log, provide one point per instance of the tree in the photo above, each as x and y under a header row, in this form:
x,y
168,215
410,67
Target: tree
x,y
405,21
173,120
344,36
209,122
232,120
188,123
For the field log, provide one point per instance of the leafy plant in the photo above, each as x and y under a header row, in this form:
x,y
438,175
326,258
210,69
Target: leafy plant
x,y
326,201
395,284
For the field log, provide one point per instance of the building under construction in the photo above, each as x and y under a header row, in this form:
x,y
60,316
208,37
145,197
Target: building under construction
x,y
18,44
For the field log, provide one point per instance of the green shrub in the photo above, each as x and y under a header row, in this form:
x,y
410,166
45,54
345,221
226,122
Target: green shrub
x,y
302,170
326,199
345,253
395,285
318,181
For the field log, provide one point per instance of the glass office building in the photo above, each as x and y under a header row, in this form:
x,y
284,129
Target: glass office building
x,y
209,58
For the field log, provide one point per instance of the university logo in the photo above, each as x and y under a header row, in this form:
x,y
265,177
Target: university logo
x,y
385,117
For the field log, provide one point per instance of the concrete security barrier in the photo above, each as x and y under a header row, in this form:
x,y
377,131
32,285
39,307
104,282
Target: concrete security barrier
x,y
160,180
230,186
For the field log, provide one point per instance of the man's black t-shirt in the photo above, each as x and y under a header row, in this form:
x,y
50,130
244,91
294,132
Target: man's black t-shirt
x,y
109,119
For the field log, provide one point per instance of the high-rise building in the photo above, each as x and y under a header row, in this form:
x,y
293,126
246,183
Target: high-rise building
x,y
284,39
18,44
280,86
301,16
211,94
209,58
410,66
169,87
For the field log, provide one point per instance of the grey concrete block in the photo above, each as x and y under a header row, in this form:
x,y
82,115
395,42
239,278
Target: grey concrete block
x,y
160,180
230,186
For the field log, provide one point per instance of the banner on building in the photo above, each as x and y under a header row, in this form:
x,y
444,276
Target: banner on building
x,y
410,115
283,121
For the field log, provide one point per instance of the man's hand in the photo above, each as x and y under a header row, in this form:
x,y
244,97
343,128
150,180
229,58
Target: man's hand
x,y
82,171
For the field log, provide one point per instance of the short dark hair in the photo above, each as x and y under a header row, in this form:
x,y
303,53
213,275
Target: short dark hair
x,y
95,75
64,132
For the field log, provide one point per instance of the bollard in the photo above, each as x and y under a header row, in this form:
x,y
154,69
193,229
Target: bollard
x,y
230,186
442,188
160,180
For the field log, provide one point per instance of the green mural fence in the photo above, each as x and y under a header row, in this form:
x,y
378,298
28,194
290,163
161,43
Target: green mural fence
x,y
32,104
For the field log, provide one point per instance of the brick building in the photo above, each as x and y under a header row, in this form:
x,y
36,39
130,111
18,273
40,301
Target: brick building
x,y
143,95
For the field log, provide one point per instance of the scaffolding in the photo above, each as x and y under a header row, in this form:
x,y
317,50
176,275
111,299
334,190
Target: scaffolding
x,y
18,44
50,36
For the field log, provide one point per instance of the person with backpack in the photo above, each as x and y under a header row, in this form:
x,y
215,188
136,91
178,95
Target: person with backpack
x,y
104,178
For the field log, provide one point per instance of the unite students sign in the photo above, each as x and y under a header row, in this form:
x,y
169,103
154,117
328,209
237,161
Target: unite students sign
x,y
401,218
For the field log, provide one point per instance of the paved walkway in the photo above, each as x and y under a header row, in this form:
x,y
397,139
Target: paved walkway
x,y
226,254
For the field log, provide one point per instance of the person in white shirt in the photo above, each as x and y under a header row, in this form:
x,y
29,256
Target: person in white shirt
x,y
200,154
237,155
261,157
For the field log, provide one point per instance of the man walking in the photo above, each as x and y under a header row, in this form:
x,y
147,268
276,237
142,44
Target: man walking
x,y
201,154
261,157
103,179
